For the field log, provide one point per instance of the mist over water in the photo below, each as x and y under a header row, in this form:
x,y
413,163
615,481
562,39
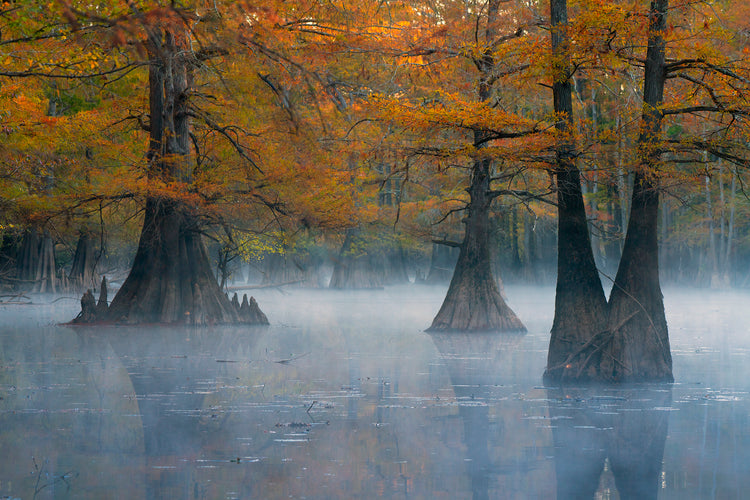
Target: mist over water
x,y
345,396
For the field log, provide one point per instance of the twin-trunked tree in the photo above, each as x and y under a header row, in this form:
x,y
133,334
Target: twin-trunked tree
x,y
625,339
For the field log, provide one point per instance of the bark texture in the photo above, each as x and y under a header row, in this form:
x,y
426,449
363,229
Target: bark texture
x,y
580,303
171,279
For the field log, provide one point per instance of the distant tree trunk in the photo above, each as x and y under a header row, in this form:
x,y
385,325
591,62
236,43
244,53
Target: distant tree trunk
x,y
442,264
355,267
394,266
46,271
713,253
727,257
171,279
580,303
35,264
298,269
8,254
28,259
638,349
82,271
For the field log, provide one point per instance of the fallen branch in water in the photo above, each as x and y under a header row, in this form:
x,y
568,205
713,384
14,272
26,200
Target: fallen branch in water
x,y
15,296
293,358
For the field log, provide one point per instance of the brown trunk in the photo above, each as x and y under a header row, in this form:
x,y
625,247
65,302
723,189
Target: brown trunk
x,y
580,304
638,349
171,279
473,302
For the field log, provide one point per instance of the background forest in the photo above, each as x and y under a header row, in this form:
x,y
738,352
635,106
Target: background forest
x,y
316,140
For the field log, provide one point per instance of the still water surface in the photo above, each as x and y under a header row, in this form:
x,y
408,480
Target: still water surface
x,y
345,396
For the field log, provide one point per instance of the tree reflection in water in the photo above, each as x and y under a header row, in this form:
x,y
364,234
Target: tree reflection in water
x,y
625,425
472,360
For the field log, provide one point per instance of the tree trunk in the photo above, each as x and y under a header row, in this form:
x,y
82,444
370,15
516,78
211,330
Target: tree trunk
x,y
293,268
82,271
171,279
394,265
46,271
638,347
355,267
27,259
727,257
473,302
580,303
442,264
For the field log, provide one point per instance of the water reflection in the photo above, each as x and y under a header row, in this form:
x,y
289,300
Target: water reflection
x,y
345,397
599,431
173,376
499,461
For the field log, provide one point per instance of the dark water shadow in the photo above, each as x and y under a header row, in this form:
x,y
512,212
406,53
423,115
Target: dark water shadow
x,y
602,430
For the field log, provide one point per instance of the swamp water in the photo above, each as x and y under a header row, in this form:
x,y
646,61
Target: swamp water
x,y
344,396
